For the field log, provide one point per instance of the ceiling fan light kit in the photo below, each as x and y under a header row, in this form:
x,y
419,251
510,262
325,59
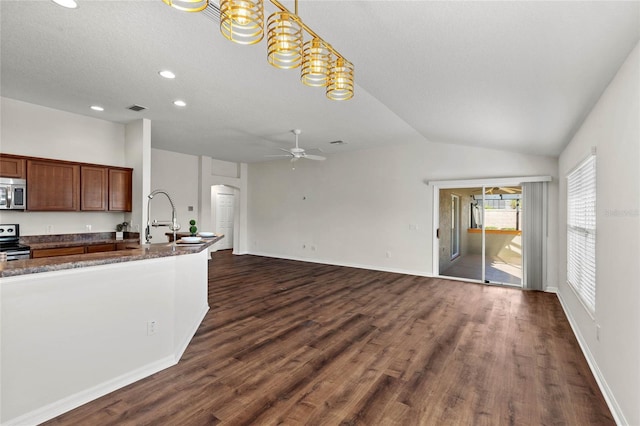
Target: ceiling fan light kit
x,y
242,21
297,153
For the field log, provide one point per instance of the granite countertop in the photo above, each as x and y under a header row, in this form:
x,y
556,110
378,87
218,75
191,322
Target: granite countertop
x,y
56,244
145,251
36,242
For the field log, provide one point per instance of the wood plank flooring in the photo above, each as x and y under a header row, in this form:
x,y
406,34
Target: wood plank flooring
x,y
297,343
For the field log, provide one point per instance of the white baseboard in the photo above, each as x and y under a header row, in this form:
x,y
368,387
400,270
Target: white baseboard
x,y
59,407
347,264
613,405
551,290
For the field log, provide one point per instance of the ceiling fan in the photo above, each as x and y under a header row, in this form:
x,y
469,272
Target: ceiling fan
x,y
297,153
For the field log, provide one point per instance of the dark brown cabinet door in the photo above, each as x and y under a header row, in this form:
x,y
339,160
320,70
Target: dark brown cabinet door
x,y
12,167
120,190
53,186
52,252
93,188
99,248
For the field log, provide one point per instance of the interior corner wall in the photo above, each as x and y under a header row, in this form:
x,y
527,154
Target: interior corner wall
x,y
613,127
372,208
138,157
177,174
37,131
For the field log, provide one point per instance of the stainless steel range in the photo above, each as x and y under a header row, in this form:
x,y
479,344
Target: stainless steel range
x,y
9,243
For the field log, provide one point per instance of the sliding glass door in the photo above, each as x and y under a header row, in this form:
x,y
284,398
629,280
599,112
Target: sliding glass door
x,y
480,234
502,232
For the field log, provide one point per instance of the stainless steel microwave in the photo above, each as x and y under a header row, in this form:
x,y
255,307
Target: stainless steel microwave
x,y
13,194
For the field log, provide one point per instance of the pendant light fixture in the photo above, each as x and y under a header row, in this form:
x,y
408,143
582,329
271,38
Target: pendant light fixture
x,y
284,40
242,21
340,86
316,61
188,5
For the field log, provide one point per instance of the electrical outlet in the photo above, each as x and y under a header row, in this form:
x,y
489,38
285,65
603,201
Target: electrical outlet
x,y
49,229
88,228
388,254
598,332
152,327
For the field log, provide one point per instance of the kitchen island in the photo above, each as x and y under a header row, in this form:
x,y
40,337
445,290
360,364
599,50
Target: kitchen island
x,y
77,327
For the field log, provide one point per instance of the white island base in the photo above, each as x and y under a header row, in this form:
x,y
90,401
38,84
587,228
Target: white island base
x,y
71,336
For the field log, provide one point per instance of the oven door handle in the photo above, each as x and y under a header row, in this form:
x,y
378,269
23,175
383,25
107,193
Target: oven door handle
x,y
9,197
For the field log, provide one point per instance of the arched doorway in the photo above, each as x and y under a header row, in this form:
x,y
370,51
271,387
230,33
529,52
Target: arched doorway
x,y
224,215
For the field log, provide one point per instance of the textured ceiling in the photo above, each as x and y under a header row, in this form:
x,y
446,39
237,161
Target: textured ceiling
x,y
519,76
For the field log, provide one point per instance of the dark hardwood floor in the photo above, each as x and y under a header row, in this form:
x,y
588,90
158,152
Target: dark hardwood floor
x,y
299,343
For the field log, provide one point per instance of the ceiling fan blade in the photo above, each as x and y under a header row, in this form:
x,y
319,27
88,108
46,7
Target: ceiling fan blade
x,y
285,150
278,155
314,157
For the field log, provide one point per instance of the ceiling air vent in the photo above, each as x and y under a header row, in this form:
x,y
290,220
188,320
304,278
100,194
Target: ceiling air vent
x,y
137,108
338,143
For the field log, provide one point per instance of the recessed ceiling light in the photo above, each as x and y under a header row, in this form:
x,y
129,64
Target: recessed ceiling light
x,y
97,108
180,103
69,4
167,74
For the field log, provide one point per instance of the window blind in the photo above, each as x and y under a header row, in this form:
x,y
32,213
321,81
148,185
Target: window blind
x,y
581,231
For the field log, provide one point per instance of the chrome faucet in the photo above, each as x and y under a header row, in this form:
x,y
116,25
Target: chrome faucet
x,y
173,225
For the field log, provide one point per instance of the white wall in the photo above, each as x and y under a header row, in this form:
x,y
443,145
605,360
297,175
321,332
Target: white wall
x,y
38,131
71,336
613,127
189,180
138,157
355,207
178,175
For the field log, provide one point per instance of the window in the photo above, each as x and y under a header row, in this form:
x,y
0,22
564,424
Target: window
x,y
581,231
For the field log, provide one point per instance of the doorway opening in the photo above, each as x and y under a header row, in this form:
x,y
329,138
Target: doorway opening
x,y
224,212
485,239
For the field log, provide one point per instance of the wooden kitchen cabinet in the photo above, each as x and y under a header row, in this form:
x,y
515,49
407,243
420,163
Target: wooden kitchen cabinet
x,y
99,248
93,188
56,185
12,167
53,185
120,193
59,251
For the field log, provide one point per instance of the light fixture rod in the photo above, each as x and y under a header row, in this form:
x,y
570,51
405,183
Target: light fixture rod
x,y
279,5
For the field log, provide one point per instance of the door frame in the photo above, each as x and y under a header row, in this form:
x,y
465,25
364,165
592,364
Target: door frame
x,y
229,241
437,185
455,227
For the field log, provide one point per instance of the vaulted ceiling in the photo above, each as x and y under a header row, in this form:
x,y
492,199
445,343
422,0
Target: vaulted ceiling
x,y
518,76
